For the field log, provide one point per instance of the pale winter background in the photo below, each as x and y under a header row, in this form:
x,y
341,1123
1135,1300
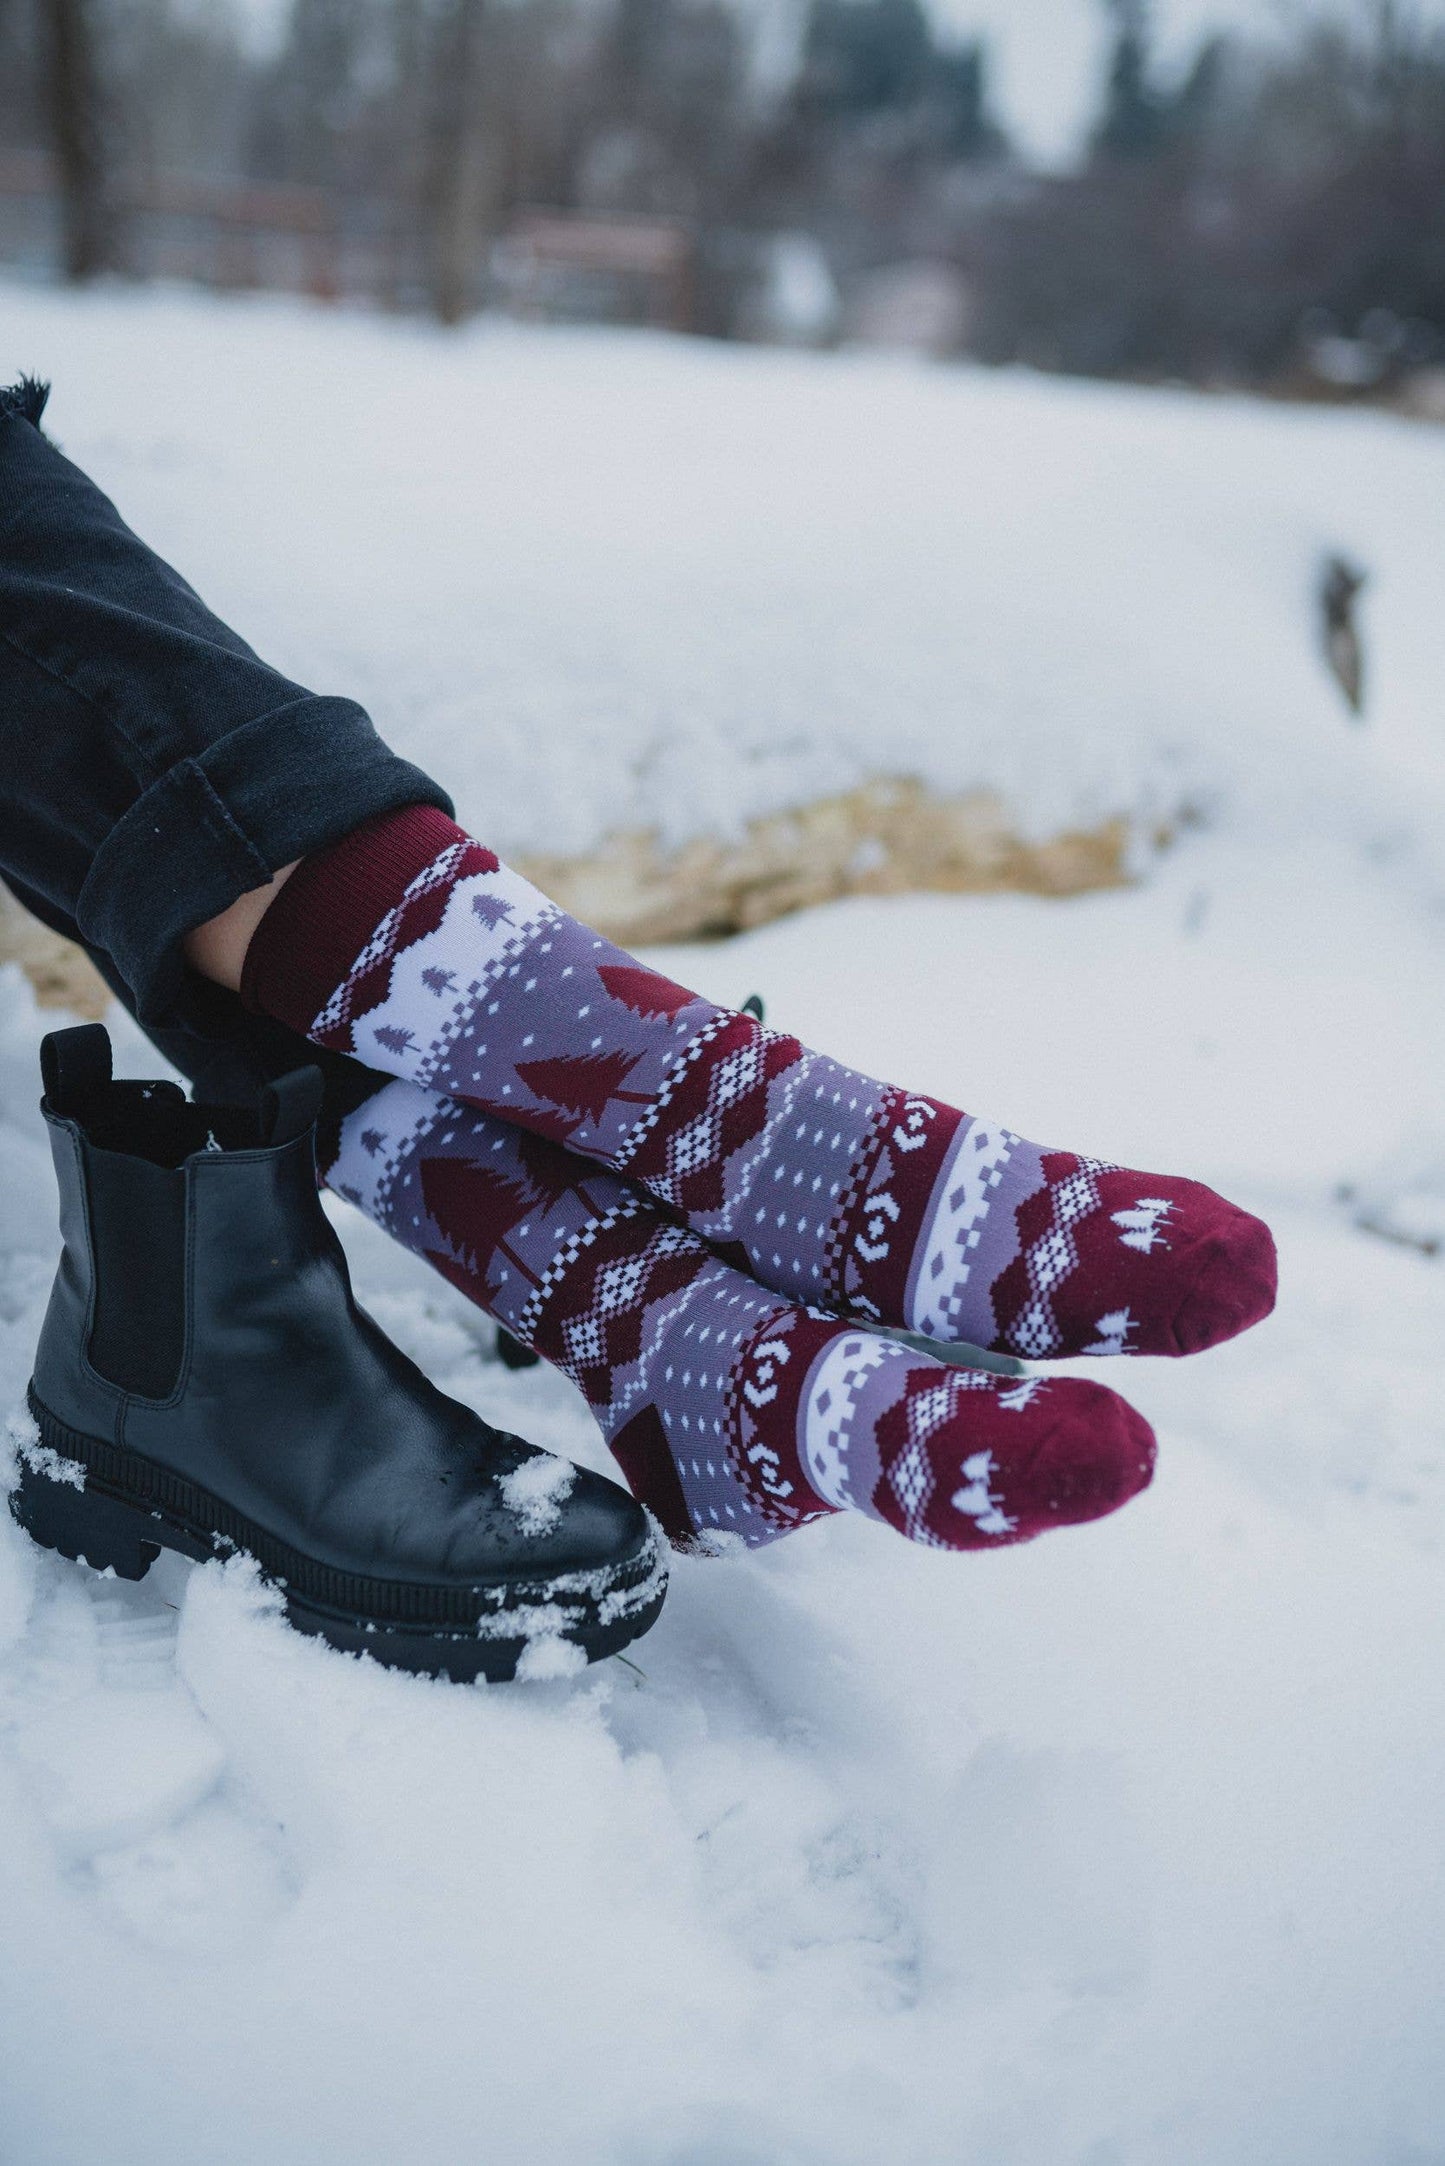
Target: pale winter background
x,y
1117,1849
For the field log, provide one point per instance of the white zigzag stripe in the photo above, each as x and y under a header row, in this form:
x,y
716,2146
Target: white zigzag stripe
x,y
566,1257
1053,1256
750,1158
694,1049
699,1142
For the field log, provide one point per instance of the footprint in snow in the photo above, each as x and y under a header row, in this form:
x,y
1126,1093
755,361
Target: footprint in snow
x,y
126,1771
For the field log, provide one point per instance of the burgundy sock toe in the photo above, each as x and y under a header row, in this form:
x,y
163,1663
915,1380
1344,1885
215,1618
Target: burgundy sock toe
x,y
1233,1289
1097,1455
1118,1262
981,1462
1091,1458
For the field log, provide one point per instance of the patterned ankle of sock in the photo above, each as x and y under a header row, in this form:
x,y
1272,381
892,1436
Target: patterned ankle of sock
x,y
731,1412
411,947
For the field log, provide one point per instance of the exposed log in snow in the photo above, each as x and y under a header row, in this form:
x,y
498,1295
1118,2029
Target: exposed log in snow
x,y
63,977
889,837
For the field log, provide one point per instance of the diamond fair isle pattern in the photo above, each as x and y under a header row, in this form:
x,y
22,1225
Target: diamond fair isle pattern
x,y
1053,1258
733,1412
825,1186
924,1482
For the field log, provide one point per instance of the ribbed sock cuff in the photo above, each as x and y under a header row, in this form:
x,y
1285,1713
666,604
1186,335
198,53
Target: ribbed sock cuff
x,y
321,920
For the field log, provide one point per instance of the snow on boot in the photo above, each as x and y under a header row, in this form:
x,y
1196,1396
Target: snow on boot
x,y
206,1383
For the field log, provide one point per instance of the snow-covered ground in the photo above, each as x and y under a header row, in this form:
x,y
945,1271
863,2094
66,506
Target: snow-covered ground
x,y
1115,1850
617,582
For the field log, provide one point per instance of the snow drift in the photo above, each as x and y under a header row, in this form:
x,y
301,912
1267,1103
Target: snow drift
x,y
1117,1849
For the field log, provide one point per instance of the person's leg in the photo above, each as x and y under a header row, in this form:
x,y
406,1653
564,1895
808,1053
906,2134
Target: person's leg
x,y
730,1410
218,948
202,1360
152,769
411,947
158,780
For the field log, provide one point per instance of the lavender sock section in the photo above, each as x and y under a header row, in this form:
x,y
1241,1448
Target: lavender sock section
x,y
733,1412
427,1170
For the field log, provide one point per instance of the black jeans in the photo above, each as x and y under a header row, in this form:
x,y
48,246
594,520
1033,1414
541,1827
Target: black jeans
x,y
152,768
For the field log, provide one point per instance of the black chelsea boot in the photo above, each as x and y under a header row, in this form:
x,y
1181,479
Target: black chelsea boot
x,y
205,1382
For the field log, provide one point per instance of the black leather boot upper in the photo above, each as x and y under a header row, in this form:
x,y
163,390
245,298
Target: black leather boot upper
x,y
203,1318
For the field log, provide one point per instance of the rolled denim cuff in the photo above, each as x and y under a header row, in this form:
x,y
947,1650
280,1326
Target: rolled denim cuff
x,y
214,826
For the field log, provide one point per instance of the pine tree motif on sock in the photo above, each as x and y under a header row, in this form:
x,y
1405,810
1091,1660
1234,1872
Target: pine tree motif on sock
x,y
412,947
730,1410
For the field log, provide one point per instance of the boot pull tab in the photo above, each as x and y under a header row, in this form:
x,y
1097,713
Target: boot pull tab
x,y
75,1067
289,1106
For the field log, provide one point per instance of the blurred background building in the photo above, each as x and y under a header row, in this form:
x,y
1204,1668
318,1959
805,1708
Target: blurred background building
x,y
1269,210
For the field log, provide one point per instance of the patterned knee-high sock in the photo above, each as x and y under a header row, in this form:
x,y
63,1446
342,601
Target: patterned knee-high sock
x,y
729,1410
412,947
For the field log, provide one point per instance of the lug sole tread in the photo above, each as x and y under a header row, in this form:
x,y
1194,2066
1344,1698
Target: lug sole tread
x,y
127,1508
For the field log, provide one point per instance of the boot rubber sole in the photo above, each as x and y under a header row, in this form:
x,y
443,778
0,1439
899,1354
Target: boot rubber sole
x,y
115,1510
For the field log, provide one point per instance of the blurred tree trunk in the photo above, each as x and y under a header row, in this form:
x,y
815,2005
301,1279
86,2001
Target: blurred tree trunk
x,y
405,137
459,168
73,100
